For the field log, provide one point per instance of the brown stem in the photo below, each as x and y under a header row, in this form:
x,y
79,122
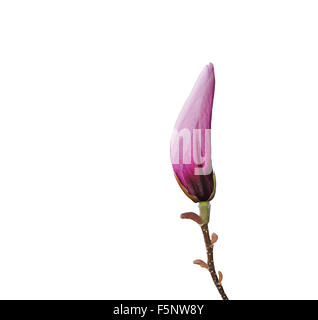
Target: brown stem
x,y
209,251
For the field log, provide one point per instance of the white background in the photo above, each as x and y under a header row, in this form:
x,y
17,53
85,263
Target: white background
x,y
89,93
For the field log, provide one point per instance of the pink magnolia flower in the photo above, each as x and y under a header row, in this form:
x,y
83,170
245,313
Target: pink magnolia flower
x,y
190,148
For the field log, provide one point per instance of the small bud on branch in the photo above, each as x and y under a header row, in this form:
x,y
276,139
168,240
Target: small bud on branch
x,y
220,277
214,238
192,216
201,263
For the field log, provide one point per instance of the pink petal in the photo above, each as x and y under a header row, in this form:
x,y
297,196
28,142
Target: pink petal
x,y
190,148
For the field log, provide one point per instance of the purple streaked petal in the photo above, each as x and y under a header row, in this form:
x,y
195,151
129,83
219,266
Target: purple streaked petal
x,y
190,148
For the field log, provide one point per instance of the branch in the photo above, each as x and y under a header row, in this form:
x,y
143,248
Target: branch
x,y
209,244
